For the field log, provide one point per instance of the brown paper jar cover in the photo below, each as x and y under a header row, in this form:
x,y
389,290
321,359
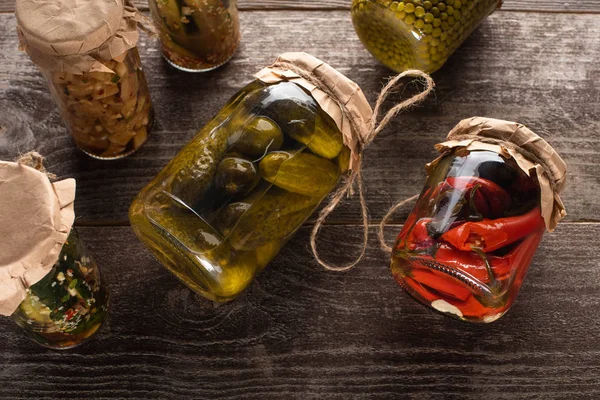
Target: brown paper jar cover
x,y
337,95
531,153
36,217
75,35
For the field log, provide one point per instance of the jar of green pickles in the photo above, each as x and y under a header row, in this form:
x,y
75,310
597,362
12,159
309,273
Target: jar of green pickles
x,y
417,34
197,35
49,284
220,211
87,53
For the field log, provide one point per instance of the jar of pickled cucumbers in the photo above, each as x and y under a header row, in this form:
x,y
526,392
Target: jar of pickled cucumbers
x,y
417,34
87,53
49,284
197,35
220,211
468,243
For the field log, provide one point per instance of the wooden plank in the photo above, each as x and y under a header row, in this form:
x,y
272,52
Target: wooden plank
x,y
536,69
301,332
577,6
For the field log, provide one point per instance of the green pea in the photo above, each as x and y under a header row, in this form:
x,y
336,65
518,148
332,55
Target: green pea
x,y
428,28
419,12
427,5
410,18
409,8
457,4
419,24
400,7
429,18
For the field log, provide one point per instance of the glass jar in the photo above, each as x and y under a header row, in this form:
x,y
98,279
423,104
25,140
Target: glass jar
x,y
225,205
467,244
69,304
197,35
416,34
108,115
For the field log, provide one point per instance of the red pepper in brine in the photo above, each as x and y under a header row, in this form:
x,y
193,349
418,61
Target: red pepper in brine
x,y
469,241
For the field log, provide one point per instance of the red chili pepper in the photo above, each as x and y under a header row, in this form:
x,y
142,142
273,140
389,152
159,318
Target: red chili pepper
x,y
492,234
497,199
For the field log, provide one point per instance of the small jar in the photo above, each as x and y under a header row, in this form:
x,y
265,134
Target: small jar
x,y
417,34
49,284
197,35
69,304
220,211
468,243
99,86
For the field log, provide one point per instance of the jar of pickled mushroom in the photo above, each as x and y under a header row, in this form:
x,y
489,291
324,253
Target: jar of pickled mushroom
x,y
220,211
49,284
197,35
417,34
468,243
86,51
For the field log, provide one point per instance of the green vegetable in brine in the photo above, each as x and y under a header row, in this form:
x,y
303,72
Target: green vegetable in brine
x,y
255,138
290,107
169,11
274,215
301,173
325,141
68,304
236,175
196,165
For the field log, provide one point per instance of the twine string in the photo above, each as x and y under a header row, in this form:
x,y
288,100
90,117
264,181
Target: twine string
x,y
34,160
355,177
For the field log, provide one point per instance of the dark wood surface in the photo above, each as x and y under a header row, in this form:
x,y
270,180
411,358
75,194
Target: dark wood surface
x,y
299,331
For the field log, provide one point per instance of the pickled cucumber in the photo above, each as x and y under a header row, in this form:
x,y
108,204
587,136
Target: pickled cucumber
x,y
301,173
326,139
236,175
343,160
417,34
291,107
169,11
195,166
274,216
259,135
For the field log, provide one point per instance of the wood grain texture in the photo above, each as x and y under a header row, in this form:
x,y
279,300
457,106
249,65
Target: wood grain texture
x,y
588,6
535,69
300,332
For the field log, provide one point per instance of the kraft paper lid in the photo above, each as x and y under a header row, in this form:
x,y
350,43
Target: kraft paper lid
x,y
531,153
36,217
338,96
75,35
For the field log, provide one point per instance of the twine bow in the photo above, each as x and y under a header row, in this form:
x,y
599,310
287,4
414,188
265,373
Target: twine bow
x,y
347,189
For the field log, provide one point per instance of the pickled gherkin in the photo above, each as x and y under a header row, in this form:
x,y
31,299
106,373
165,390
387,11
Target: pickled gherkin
x,y
417,34
223,207
197,35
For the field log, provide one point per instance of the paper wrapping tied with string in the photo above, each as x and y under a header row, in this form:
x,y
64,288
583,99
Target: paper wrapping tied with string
x,y
347,105
532,154
76,36
36,217
337,95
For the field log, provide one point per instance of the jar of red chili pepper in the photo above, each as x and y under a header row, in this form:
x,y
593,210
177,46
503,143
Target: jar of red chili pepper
x,y
467,244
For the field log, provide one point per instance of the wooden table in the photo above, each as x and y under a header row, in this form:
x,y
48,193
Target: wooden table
x,y
299,331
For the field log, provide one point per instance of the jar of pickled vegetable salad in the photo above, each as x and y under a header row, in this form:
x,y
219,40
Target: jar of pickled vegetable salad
x,y
468,243
49,284
417,34
197,35
87,53
221,210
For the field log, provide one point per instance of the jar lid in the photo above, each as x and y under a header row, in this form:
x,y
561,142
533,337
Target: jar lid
x,y
75,35
341,98
36,217
531,153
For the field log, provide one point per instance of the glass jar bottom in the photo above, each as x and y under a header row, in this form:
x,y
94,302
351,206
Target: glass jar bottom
x,y
185,69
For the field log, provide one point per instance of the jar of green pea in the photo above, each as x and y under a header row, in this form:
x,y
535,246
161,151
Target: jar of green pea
x,y
417,34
